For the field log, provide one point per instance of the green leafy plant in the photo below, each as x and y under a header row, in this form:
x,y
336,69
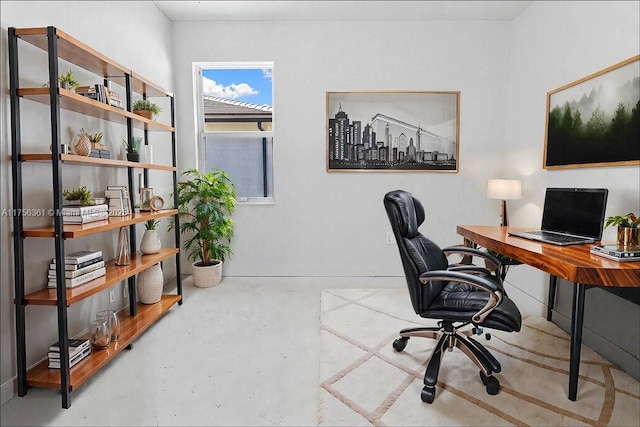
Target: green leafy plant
x,y
145,104
68,79
629,220
151,224
82,194
132,146
93,137
204,203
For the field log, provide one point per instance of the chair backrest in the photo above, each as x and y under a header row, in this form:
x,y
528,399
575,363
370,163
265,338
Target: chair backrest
x,y
418,253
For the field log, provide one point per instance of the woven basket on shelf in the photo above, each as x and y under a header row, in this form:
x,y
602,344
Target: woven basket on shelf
x,y
81,145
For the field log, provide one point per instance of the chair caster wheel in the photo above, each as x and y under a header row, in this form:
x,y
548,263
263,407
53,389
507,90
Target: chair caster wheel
x,y
428,394
400,343
491,383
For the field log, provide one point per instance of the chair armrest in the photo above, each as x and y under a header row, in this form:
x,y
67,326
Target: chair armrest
x,y
470,269
495,294
465,250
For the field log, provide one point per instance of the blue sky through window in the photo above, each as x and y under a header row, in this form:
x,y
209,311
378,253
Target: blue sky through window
x,y
251,85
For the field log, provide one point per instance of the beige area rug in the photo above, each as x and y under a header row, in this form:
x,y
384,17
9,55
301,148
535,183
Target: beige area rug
x,y
363,381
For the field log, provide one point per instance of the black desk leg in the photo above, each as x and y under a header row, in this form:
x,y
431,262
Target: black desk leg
x,y
577,316
551,301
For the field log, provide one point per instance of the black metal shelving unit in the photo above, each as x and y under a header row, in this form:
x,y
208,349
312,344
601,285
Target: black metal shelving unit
x,y
59,45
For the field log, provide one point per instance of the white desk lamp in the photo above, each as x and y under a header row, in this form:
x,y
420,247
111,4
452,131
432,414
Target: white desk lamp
x,y
504,189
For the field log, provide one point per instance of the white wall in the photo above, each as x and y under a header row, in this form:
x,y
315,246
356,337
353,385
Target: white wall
x,y
135,34
553,44
334,224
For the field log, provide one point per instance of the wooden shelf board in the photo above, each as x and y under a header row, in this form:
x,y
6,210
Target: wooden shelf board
x,y
71,231
72,50
130,328
71,101
115,274
93,161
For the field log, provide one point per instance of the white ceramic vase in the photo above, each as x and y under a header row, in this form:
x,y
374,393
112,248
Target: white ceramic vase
x,y
150,243
150,283
207,276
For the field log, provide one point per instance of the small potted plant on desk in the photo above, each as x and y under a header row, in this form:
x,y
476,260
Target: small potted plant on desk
x,y
145,108
133,148
628,229
205,201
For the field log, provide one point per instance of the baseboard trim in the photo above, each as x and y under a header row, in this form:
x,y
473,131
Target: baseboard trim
x,y
8,390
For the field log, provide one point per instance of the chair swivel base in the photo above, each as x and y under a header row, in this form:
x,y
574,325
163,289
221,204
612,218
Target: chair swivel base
x,y
448,337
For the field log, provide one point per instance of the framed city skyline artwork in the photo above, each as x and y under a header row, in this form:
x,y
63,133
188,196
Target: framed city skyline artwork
x,y
595,121
391,131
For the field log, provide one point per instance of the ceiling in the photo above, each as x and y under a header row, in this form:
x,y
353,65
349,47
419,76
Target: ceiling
x,y
302,10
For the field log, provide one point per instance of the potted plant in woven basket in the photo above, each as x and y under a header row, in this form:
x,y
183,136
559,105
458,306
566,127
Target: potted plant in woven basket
x,y
205,202
145,108
628,234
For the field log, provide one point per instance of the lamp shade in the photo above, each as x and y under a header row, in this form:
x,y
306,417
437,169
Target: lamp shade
x,y
504,189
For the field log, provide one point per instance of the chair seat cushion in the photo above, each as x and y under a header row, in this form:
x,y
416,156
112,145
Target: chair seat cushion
x,y
460,301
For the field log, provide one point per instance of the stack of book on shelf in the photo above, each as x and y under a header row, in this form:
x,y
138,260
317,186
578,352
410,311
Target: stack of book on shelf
x,y
618,253
84,214
79,268
102,94
119,204
78,350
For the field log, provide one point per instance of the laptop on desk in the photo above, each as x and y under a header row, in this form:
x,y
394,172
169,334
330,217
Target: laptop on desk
x,y
571,216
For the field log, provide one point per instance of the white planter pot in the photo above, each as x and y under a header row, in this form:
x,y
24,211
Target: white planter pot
x,y
150,283
150,243
208,275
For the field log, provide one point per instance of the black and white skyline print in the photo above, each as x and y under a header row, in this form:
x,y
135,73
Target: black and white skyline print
x,y
392,131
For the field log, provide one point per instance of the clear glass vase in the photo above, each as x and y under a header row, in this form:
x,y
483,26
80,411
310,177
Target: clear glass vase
x,y
122,250
99,334
113,322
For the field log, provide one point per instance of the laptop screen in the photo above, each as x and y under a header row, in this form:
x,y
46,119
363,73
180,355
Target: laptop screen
x,y
575,211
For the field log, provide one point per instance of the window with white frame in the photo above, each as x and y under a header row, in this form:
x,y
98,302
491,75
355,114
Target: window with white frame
x,y
235,120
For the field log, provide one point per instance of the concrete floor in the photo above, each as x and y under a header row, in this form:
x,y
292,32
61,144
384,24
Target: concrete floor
x,y
242,353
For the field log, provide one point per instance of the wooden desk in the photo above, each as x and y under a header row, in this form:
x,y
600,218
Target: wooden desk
x,y
573,263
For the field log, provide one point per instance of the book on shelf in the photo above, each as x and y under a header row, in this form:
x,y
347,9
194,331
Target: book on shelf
x,y
80,280
119,204
73,360
73,344
79,257
620,258
84,210
70,267
84,219
70,274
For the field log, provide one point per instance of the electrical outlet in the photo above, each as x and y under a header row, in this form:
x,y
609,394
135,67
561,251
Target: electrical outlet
x,y
112,296
124,291
389,240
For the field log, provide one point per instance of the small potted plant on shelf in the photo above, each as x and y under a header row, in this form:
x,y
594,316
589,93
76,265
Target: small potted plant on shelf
x,y
133,148
94,138
77,196
67,81
628,229
204,202
145,108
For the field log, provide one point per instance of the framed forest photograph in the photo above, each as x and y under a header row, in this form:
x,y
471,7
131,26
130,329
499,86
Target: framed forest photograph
x,y
385,131
595,121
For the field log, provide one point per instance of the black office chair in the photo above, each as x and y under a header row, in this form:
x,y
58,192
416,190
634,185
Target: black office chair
x,y
458,295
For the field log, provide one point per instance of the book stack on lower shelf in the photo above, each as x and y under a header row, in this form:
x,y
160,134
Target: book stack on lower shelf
x,y
79,268
78,350
84,214
617,253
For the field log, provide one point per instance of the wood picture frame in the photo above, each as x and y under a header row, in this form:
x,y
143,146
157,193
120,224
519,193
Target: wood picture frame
x,y
595,121
393,131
